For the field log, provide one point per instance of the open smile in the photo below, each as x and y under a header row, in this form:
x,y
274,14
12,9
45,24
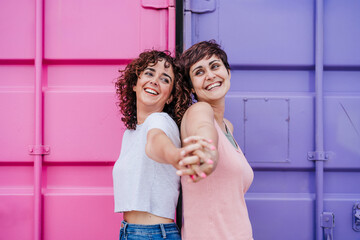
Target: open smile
x,y
213,85
151,91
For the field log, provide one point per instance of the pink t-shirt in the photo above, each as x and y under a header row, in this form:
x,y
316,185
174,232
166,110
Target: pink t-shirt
x,y
215,208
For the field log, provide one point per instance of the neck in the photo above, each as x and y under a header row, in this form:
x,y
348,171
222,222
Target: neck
x,y
219,109
142,114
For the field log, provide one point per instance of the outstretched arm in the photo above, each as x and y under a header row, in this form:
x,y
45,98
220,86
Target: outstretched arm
x,y
160,148
198,121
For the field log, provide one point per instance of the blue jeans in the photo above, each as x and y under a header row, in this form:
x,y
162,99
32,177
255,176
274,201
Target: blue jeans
x,y
168,231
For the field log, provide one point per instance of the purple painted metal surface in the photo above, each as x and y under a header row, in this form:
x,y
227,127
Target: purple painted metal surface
x,y
294,90
319,117
60,129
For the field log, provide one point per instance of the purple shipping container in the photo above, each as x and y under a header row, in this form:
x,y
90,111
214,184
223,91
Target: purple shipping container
x,y
60,129
295,105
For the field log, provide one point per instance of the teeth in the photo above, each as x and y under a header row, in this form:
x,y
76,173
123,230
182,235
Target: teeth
x,y
151,91
213,85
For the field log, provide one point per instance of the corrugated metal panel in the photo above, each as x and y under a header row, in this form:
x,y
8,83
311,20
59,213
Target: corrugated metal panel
x,y
81,45
271,49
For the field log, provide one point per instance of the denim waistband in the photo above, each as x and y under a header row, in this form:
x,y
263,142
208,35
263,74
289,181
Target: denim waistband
x,y
162,229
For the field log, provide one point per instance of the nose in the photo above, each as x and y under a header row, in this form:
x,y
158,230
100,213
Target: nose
x,y
154,82
210,75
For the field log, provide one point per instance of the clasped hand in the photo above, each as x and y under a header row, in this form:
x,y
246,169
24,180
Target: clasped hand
x,y
198,158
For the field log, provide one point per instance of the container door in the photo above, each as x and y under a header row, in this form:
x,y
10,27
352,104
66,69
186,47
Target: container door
x,y
85,43
271,48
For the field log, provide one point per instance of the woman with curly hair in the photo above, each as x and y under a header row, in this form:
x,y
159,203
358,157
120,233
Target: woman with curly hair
x,y
152,100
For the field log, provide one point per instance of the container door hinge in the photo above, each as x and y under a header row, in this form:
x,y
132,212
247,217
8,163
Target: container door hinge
x,y
356,217
39,150
200,6
158,4
328,223
319,156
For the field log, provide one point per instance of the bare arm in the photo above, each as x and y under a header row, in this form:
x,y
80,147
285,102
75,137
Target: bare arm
x,y
199,121
160,148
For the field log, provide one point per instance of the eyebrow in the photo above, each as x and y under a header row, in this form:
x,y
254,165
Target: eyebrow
x,y
216,60
197,68
153,70
167,76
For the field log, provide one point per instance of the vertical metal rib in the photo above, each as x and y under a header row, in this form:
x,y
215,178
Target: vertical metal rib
x,y
319,121
38,119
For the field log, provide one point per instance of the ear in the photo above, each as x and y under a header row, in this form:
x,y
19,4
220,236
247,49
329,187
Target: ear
x,y
170,99
192,90
134,88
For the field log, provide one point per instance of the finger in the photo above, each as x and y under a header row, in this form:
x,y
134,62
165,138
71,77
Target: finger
x,y
200,154
198,171
197,179
194,178
196,138
209,161
202,141
185,171
207,167
206,144
194,159
190,148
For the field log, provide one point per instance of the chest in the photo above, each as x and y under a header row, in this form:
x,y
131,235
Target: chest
x,y
232,167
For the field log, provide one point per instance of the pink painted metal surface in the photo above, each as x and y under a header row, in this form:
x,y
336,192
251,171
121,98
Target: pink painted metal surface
x,y
58,64
17,29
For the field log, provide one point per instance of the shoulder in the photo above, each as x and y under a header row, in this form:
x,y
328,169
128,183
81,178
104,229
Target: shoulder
x,y
197,115
202,106
199,109
229,125
162,121
159,116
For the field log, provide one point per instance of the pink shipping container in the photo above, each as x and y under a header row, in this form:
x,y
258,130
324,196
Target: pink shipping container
x,y
60,129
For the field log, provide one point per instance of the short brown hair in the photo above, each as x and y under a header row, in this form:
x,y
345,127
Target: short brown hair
x,y
198,51
128,79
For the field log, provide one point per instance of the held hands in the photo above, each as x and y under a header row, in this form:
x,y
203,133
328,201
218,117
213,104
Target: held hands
x,y
198,158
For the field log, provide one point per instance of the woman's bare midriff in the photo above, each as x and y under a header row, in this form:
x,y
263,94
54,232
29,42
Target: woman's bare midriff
x,y
144,218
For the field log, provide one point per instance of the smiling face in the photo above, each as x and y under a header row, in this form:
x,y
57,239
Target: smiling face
x,y
210,79
153,87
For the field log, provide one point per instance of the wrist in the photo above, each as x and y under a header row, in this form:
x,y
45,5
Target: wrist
x,y
172,156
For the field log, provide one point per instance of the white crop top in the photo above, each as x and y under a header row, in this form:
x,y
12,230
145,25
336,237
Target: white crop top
x,y
141,183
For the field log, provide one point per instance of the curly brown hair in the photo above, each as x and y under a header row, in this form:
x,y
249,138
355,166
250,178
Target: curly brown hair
x,y
128,79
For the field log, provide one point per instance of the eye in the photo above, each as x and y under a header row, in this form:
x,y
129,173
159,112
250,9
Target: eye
x,y
199,72
165,80
148,73
215,66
